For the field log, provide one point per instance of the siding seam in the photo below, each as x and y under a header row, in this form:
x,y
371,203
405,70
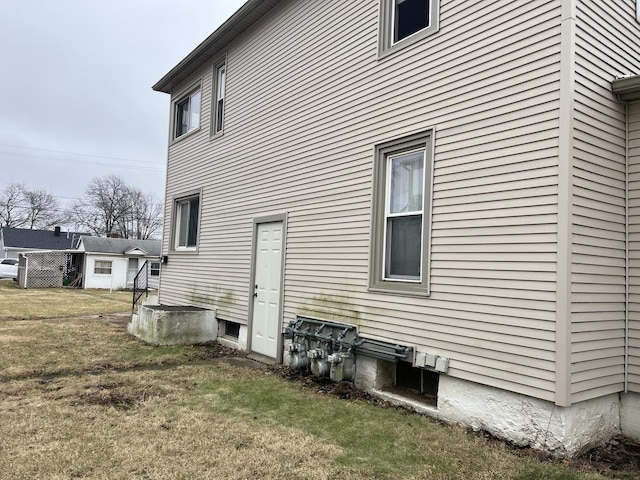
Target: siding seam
x,y
626,248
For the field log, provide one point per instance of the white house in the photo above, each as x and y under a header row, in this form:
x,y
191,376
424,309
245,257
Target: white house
x,y
114,262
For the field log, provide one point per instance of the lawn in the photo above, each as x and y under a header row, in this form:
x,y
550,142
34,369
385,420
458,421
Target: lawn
x,y
59,302
81,399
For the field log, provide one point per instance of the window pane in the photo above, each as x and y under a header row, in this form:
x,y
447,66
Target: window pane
x,y
193,222
183,222
195,110
404,247
221,82
182,117
407,183
219,114
411,16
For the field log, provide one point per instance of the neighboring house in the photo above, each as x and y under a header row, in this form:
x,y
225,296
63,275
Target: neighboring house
x,y
14,241
114,262
457,177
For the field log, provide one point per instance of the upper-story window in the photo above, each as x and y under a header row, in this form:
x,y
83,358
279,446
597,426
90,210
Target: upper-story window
x,y
187,113
404,22
219,83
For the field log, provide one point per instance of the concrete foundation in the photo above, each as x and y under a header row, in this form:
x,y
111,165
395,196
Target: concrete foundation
x,y
630,415
522,420
528,421
165,325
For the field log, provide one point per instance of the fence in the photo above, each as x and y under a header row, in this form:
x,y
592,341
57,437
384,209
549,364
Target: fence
x,y
45,269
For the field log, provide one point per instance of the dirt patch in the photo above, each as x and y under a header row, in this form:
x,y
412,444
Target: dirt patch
x,y
618,456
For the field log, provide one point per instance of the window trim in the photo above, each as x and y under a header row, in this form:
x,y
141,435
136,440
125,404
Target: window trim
x,y
95,267
386,44
178,200
423,140
186,93
215,82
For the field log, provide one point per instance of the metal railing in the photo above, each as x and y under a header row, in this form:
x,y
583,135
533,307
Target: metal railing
x,y
140,284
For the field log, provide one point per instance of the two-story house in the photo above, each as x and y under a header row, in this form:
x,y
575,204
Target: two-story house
x,y
456,181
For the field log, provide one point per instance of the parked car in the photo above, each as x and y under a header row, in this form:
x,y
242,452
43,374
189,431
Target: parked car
x,y
9,268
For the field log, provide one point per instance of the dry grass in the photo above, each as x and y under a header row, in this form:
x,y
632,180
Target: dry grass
x,y
16,303
74,345
81,399
131,425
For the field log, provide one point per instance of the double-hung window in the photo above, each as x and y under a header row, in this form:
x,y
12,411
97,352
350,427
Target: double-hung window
x,y
187,113
187,217
219,85
404,215
400,226
406,21
102,267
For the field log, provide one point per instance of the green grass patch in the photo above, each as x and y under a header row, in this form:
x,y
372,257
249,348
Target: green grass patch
x,y
383,442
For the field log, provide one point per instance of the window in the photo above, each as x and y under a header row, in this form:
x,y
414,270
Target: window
x,y
187,113
232,329
102,267
219,83
187,213
404,22
155,269
401,216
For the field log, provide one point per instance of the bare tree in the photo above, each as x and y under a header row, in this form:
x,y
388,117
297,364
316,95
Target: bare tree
x,y
12,212
143,217
41,209
21,207
113,207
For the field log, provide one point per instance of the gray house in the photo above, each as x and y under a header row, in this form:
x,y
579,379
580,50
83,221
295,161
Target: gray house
x,y
437,196
14,241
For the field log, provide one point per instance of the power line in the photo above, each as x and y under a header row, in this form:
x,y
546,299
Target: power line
x,y
75,153
102,164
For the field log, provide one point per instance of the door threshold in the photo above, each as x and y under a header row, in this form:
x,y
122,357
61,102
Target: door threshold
x,y
258,357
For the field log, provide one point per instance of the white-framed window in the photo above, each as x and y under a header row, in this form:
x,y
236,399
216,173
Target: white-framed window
x,y
404,215
187,113
155,269
404,22
186,224
638,10
102,267
401,216
219,83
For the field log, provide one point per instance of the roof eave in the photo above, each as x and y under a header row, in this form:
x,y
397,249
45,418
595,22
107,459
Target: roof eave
x,y
246,16
628,88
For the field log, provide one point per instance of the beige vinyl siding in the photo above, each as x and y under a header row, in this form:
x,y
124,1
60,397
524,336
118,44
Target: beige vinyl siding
x,y
634,248
603,49
306,102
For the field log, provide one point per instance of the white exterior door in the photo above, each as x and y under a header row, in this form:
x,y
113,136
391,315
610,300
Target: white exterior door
x,y
266,289
132,271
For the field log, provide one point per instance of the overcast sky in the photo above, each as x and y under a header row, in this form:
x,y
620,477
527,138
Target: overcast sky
x,y
75,87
